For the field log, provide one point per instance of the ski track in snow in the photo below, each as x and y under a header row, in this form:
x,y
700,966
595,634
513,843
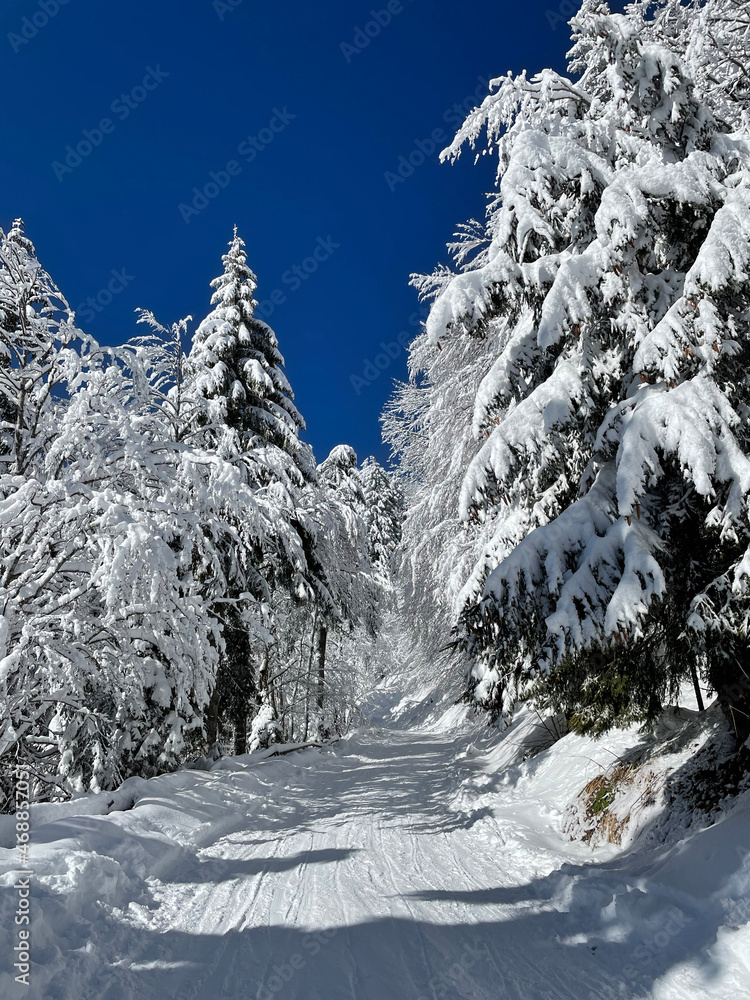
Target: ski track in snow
x,y
355,874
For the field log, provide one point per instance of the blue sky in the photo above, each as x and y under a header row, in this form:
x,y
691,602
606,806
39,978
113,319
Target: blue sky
x,y
133,136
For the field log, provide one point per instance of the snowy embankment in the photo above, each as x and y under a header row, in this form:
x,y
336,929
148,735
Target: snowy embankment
x,y
420,864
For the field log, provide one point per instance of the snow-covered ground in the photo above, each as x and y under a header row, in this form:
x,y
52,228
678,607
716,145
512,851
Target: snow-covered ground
x,y
397,864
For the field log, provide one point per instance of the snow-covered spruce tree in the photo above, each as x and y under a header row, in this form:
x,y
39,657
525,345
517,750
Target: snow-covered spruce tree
x,y
238,369
255,540
248,416
610,476
384,511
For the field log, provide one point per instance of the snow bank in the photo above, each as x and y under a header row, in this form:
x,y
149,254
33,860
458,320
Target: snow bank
x,y
100,854
414,845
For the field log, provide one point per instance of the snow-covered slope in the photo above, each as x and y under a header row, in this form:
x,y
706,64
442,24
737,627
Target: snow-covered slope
x,y
395,865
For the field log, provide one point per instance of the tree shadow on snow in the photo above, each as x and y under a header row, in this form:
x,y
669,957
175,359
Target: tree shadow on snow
x,y
583,932
528,957
658,904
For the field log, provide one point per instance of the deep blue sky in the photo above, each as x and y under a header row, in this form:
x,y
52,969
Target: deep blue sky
x,y
320,177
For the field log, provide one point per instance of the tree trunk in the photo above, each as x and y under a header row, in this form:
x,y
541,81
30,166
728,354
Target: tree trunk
x,y
240,732
730,678
309,674
212,720
696,685
263,677
267,692
320,657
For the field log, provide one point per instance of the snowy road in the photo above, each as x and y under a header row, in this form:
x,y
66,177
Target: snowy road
x,y
375,870
357,881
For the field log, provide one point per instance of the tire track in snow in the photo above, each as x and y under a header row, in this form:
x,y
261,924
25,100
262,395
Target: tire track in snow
x,y
367,842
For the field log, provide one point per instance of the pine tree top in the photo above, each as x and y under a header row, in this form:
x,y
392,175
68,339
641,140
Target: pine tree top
x,y
17,235
237,366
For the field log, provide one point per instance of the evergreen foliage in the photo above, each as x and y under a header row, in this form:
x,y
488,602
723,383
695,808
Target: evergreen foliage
x,y
592,343
163,540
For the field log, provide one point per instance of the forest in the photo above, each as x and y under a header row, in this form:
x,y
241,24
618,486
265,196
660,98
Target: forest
x,y
466,717
565,521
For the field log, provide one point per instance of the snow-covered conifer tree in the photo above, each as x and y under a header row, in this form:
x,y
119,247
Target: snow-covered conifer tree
x,y
384,512
108,648
610,475
248,416
713,39
237,368
344,595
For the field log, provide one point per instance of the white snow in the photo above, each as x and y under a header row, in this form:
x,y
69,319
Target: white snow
x,y
396,864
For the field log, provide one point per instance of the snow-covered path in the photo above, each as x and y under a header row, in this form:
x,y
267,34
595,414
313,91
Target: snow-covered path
x,y
365,872
359,883
355,881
